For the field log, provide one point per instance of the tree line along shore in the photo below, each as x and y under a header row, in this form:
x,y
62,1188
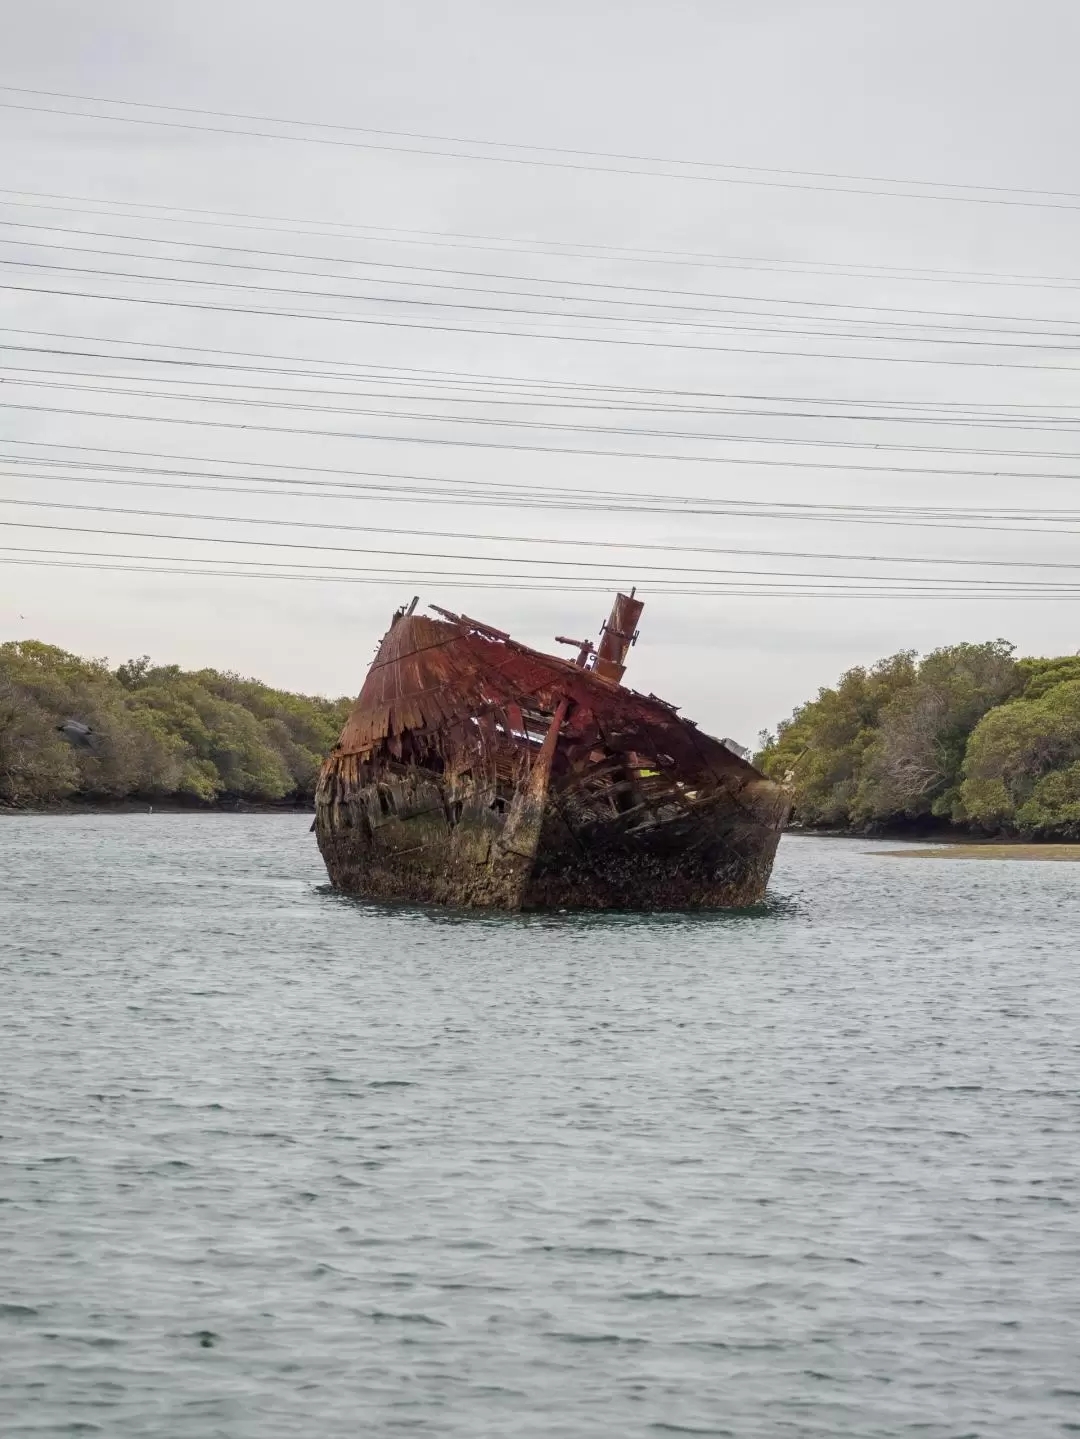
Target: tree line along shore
x,y
73,731
968,738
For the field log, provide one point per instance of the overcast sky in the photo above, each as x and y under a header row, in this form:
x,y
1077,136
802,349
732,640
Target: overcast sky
x,y
966,92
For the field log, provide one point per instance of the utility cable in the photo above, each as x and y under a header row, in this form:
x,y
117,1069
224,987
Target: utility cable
x,y
996,195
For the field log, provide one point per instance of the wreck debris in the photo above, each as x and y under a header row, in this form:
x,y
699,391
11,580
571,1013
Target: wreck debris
x,y
474,770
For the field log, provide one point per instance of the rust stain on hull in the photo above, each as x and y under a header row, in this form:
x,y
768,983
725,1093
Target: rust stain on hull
x,y
476,771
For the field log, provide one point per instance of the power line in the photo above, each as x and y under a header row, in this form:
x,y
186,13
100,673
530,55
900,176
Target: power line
x,y
383,322
525,313
665,572
996,195
534,399
559,587
542,400
490,498
517,494
927,471
548,149
494,275
517,539
967,411
876,446
970,418
552,249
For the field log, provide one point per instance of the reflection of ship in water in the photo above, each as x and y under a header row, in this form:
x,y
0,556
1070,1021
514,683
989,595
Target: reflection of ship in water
x,y
476,771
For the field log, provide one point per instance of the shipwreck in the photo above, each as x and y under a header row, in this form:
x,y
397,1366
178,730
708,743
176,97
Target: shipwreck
x,y
476,771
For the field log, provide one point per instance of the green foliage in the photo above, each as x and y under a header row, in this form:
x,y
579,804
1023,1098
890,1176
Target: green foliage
x,y
1039,676
913,766
154,731
821,749
968,735
36,763
1022,768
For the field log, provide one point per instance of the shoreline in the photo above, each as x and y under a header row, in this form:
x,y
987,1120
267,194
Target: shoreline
x,y
928,838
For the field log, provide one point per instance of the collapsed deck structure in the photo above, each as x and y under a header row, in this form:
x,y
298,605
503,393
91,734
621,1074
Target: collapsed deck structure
x,y
474,770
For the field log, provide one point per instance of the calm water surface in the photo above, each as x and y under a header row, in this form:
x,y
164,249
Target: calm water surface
x,y
276,1163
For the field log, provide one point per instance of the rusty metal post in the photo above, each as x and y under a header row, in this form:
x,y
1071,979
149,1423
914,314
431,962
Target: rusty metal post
x,y
585,648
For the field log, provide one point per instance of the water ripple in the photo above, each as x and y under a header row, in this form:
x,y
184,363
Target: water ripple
x,y
276,1164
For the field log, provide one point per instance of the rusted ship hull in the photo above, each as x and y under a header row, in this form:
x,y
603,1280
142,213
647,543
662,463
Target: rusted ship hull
x,y
455,851
477,772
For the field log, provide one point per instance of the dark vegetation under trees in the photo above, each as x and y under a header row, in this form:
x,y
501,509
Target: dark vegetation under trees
x,y
968,736
75,730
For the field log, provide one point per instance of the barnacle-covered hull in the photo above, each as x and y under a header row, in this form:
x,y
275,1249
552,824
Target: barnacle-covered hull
x,y
475,771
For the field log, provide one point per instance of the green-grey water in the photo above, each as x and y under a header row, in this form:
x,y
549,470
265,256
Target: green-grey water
x,y
280,1165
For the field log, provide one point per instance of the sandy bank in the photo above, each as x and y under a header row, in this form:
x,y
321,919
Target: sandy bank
x,y
991,851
